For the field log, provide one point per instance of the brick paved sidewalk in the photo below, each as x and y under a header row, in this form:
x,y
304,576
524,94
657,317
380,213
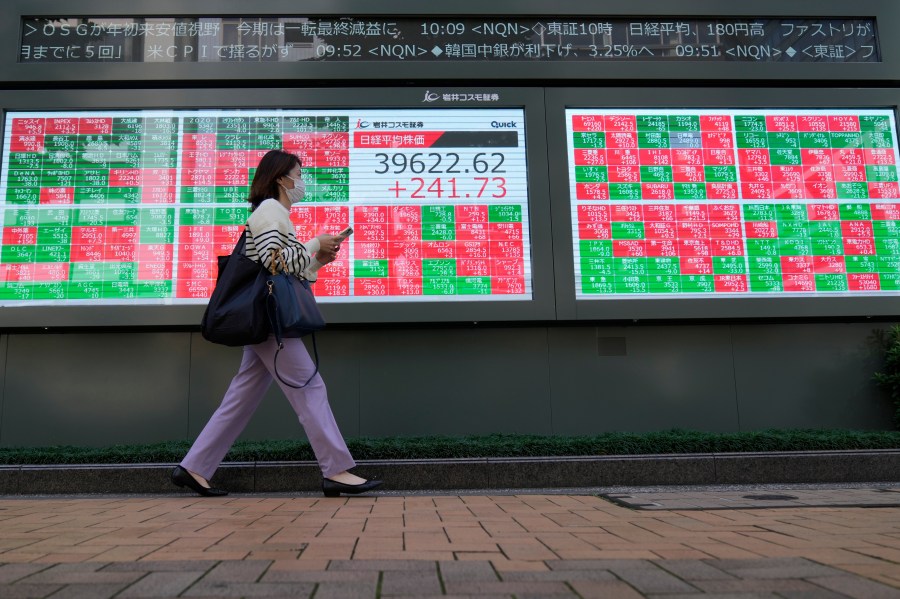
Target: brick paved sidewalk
x,y
521,546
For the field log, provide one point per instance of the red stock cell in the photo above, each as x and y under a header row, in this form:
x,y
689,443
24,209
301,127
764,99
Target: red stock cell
x,y
687,157
781,123
331,159
658,230
472,214
629,248
305,232
369,250
95,126
694,247
717,140
829,265
506,231
796,264
761,229
507,285
119,252
16,273
812,124
404,268
592,191
658,191
332,141
757,191
126,177
588,122
688,174
50,272
196,270
843,123
626,213
620,140
884,190
885,211
233,159
756,174
88,235
715,122
857,228
472,232
370,287
506,249
199,142
855,173
26,142
28,126
507,268
158,195
620,157
727,247
879,156
120,234
406,215
438,249
620,122
859,246
696,265
232,177
154,271
20,235
370,214
86,252
204,234
195,252
754,157
404,250
725,230
226,234
299,141
404,232
62,126
332,217
724,213
590,157
816,156
405,286
721,191
469,267
789,191
823,212
592,213
659,213
863,281
655,157
818,174
692,230
198,177
718,157
799,282
787,174
821,191
332,288
473,249
661,248
730,283
150,252
849,156
365,232
692,212
196,289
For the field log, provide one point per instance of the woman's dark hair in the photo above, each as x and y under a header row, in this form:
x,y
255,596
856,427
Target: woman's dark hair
x,y
274,165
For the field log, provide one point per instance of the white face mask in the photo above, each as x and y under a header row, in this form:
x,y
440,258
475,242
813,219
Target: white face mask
x,y
297,193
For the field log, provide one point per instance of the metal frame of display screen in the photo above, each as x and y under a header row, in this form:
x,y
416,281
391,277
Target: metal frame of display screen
x,y
116,204
725,203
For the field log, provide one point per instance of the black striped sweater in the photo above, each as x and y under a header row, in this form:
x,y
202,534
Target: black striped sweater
x,y
269,227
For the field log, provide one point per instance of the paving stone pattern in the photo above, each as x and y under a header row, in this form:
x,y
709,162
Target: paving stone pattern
x,y
521,546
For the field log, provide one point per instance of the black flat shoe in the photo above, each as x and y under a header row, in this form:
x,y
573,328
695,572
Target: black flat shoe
x,y
183,478
332,488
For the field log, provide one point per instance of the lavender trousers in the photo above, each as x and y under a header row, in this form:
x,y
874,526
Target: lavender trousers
x,y
246,391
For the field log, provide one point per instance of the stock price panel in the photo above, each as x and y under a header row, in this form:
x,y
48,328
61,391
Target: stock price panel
x,y
734,202
135,206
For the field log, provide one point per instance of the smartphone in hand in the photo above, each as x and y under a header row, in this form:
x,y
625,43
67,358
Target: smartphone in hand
x,y
345,233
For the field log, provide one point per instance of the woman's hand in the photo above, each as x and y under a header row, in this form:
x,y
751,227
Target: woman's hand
x,y
329,243
324,257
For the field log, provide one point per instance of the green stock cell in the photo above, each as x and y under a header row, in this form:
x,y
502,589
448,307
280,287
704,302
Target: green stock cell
x,y
762,247
791,212
85,290
888,264
159,143
157,217
199,124
17,254
872,122
857,264
90,217
815,139
765,265
16,291
793,230
333,124
63,161
123,217
749,122
157,234
766,283
265,124
785,157
782,139
231,194
598,285
24,178
118,290
795,247
153,289
23,195
369,269
505,213
126,142
25,161
50,252
438,232
656,174
158,125
299,124
876,140
831,282
87,271
855,212
232,124
632,284
652,122
628,230
890,282
50,291
597,266
827,247
729,265
664,284
438,214
91,195
591,174
197,216
690,191
589,139
197,195
846,140
698,284
663,266
20,217
887,246
265,141
160,160
438,268
684,122
881,172
626,267
439,286
126,159
473,285
58,178
53,217
625,191
54,235
329,176
749,139
124,195
852,190
654,140
596,248
825,229
886,228
720,174
60,144
231,216
131,124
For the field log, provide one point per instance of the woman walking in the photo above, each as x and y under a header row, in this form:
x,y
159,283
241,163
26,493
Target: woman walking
x,y
276,186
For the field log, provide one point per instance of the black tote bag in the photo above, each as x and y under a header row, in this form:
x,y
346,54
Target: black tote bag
x,y
236,313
